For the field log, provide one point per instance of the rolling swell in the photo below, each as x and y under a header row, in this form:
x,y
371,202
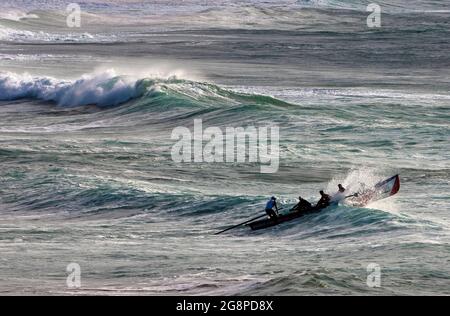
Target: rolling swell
x,y
108,89
353,223
80,195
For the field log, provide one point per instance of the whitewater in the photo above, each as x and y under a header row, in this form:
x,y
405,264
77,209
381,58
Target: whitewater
x,y
87,176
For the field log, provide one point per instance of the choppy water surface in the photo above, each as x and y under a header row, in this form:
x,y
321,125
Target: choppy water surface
x,y
86,117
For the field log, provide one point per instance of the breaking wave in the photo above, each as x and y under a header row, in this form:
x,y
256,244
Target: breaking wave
x,y
103,89
107,88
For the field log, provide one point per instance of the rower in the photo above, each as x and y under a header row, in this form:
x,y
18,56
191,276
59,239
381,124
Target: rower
x,y
302,205
324,200
339,195
272,203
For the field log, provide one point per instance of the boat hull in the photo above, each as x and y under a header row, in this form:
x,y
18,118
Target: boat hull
x,y
381,190
265,223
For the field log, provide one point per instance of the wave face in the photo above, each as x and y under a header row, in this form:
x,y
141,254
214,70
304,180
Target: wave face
x,y
87,115
107,89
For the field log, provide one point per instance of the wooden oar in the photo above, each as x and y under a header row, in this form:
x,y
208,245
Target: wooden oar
x,y
250,220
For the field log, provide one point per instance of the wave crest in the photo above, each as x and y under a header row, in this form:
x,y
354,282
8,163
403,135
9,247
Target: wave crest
x,y
103,89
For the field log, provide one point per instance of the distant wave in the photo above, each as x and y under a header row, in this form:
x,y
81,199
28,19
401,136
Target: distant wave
x,y
48,20
390,5
23,26
31,57
18,35
105,24
119,6
16,15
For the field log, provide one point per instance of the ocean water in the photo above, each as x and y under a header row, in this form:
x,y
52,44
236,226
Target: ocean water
x,y
86,174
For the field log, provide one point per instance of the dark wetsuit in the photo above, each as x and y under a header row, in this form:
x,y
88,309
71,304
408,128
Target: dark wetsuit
x,y
301,206
324,201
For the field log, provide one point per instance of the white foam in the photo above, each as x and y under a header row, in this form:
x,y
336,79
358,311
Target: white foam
x,y
360,179
16,15
103,89
17,35
29,57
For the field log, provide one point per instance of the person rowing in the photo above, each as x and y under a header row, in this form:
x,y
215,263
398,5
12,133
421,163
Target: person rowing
x,y
271,204
324,200
339,195
302,205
